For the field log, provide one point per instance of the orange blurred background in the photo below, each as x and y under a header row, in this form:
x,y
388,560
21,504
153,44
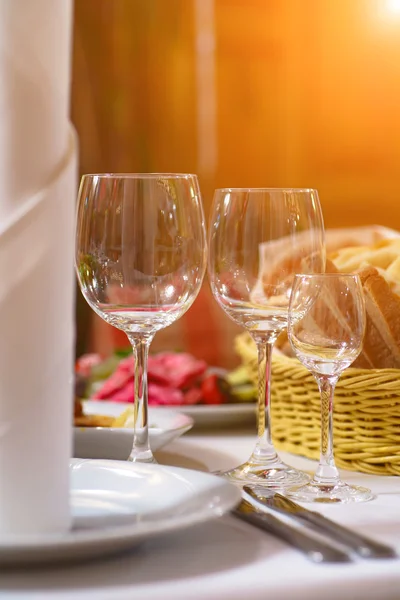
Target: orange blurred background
x,y
244,93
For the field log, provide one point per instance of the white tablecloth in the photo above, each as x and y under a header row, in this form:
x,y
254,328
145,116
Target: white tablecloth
x,y
227,558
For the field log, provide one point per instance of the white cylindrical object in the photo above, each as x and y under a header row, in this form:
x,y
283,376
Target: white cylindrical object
x,y
38,167
36,361
35,50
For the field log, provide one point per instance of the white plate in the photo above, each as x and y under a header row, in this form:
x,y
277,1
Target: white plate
x,y
116,442
222,415
116,505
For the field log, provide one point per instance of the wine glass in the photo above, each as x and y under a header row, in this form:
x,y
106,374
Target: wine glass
x,y
259,238
326,330
140,260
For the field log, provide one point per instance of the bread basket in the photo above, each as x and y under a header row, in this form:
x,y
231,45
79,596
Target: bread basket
x,y
366,412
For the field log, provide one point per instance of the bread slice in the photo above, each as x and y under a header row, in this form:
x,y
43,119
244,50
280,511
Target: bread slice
x,y
381,345
381,255
382,338
94,421
377,261
330,318
304,265
369,235
364,360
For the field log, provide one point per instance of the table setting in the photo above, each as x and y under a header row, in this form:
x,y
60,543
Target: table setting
x,y
154,475
186,489
182,565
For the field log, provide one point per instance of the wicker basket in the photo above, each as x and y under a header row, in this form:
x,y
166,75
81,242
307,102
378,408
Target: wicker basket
x,y
366,412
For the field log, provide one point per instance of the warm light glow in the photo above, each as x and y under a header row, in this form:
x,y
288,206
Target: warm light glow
x,y
393,6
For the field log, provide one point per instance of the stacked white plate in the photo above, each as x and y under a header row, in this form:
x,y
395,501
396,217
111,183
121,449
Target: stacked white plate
x,y
116,505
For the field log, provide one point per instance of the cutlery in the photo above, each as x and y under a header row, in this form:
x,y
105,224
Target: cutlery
x,y
358,543
319,551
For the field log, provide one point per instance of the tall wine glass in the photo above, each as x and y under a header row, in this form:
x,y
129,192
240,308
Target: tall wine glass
x,y
259,238
326,330
140,260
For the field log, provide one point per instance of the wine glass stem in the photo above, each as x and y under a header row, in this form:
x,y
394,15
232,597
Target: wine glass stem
x,y
141,451
326,472
264,448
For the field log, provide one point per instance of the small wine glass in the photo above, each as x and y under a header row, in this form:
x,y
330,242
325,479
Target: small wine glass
x,y
140,260
326,330
259,238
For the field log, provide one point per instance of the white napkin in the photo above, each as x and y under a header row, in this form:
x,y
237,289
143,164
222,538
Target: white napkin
x,y
37,193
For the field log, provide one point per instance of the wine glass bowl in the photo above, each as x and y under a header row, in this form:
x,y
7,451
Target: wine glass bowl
x,y
326,329
140,260
258,239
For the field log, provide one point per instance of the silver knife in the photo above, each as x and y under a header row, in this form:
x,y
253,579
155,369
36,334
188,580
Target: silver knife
x,y
360,544
319,551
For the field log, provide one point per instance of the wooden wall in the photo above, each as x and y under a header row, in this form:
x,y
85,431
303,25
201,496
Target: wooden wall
x,y
300,93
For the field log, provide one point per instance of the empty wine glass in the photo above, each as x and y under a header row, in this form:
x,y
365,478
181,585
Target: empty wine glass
x,y
259,238
326,330
140,260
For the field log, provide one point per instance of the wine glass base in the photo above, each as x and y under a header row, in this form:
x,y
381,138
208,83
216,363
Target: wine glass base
x,y
147,459
330,494
276,476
